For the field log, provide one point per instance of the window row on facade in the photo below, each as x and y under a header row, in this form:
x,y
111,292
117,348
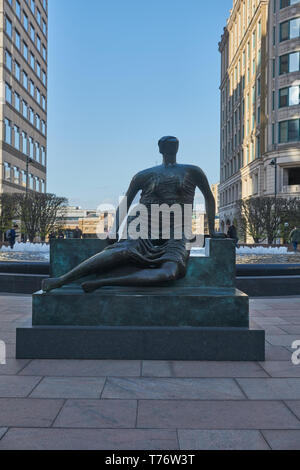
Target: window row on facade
x,y
36,12
19,139
22,107
31,60
22,77
13,174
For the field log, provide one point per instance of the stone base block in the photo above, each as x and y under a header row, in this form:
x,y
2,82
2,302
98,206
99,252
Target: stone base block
x,y
155,307
141,343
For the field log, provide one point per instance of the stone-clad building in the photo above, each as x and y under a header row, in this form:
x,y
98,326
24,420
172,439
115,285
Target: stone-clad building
x,y
260,102
23,83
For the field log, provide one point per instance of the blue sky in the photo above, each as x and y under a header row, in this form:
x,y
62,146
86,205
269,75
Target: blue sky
x,y
122,74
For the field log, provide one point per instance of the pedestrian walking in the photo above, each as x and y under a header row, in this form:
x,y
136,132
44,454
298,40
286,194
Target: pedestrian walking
x,y
295,238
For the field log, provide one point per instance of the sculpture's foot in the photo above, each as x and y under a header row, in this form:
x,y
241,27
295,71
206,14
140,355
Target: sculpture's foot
x,y
50,284
90,286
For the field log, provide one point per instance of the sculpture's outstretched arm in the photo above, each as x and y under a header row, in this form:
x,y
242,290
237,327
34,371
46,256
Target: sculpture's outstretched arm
x,y
202,183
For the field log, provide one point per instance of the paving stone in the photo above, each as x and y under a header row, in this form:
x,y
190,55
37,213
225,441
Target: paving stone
x,y
201,369
271,389
295,407
89,439
269,321
97,414
283,440
28,412
13,366
69,387
195,414
282,340
2,432
277,353
8,337
221,440
291,329
162,388
17,386
76,368
281,368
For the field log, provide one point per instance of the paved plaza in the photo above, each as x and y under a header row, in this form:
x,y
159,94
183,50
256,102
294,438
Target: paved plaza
x,y
149,405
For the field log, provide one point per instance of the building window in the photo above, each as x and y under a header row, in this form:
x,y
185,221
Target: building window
x,y
17,137
25,51
31,116
8,27
44,77
17,40
37,152
25,110
33,6
289,63
25,21
290,29
38,96
25,80
7,124
8,60
43,156
31,87
44,53
30,181
43,103
44,28
37,122
7,172
17,71
38,70
8,93
31,147
32,60
38,16
24,143
287,3
289,131
17,102
42,186
16,175
32,33
18,9
43,127
38,42
289,96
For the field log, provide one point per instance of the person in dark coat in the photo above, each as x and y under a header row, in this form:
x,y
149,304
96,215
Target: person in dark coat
x,y
232,232
12,236
77,233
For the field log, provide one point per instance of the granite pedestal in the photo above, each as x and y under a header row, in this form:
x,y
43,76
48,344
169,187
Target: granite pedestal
x,y
200,317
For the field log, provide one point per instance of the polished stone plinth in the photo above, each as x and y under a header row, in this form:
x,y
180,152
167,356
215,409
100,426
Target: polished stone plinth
x,y
159,306
200,317
145,343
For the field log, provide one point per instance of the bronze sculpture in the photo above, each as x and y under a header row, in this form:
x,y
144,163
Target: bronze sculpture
x,y
158,260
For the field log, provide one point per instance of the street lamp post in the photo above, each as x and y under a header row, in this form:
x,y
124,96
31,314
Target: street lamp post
x,y
275,165
28,160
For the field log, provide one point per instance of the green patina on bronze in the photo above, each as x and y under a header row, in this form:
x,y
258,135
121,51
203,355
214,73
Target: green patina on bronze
x,y
205,297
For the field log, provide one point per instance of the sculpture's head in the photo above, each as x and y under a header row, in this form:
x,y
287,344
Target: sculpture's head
x,y
168,146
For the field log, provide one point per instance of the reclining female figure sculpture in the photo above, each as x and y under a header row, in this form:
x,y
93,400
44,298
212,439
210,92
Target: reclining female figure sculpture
x,y
158,260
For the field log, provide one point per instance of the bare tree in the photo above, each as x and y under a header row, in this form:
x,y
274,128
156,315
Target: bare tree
x,y
38,213
249,216
8,211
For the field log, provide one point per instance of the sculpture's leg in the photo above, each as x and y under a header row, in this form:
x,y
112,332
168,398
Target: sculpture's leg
x,y
145,277
100,262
